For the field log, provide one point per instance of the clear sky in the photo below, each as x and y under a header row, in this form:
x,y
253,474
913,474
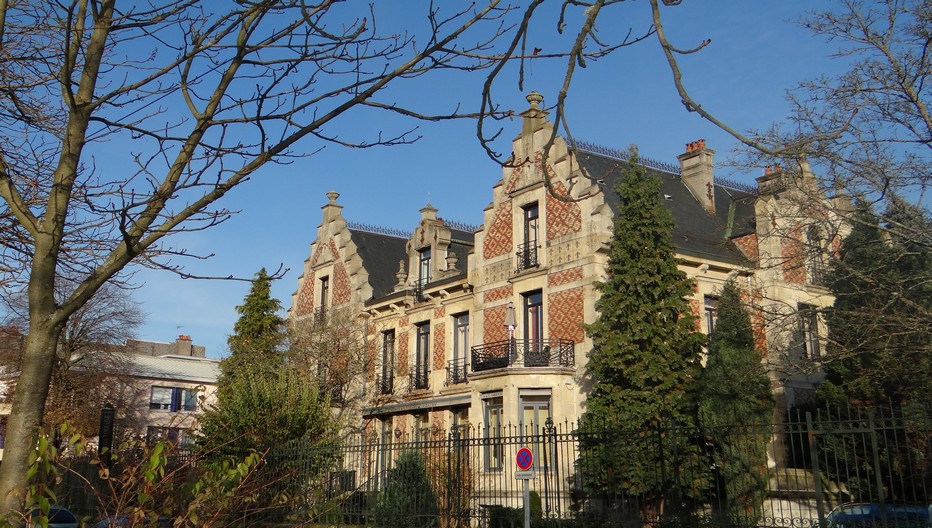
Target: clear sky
x,y
757,52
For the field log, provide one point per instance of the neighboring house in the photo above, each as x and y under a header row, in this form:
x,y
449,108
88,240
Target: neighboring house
x,y
441,304
156,388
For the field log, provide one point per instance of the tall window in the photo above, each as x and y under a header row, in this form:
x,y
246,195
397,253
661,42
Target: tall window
x,y
324,296
422,359
387,380
815,258
527,251
711,313
422,427
809,330
535,409
533,321
461,421
460,337
173,399
492,418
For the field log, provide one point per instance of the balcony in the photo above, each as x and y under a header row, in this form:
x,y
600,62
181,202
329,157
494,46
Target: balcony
x,y
385,383
418,381
527,256
542,353
456,372
419,288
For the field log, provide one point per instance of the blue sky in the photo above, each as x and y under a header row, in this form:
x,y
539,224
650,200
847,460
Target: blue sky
x,y
757,52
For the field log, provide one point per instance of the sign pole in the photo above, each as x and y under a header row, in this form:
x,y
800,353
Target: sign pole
x,y
527,503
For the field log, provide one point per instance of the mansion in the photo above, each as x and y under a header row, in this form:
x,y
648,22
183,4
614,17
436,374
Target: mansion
x,y
484,326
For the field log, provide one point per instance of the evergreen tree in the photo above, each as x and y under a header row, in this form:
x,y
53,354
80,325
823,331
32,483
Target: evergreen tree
x,y
646,354
736,406
260,332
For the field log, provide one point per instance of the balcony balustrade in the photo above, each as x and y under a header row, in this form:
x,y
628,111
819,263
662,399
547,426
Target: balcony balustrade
x,y
418,381
527,256
385,383
540,353
456,371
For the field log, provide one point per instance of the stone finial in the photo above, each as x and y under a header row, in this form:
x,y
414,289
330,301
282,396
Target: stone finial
x,y
331,208
332,196
452,259
402,276
535,98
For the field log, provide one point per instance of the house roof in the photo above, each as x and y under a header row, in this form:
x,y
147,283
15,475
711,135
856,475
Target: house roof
x,y
176,368
380,255
696,231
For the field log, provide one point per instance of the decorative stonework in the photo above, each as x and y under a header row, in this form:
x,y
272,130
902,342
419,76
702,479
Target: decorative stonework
x,y
498,240
497,294
748,245
439,345
497,272
565,312
341,284
315,258
565,277
493,324
562,217
305,301
516,174
568,251
440,313
334,252
404,322
794,257
402,342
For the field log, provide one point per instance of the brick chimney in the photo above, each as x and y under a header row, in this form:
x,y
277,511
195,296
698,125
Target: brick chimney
x,y
696,166
184,345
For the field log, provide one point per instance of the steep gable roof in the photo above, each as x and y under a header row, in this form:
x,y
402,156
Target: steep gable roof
x,y
696,231
380,255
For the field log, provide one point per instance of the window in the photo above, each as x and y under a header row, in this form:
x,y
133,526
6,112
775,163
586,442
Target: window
x,y
535,409
175,435
533,321
422,358
527,251
387,381
422,427
461,421
711,313
324,297
815,257
460,348
423,274
809,330
173,399
492,417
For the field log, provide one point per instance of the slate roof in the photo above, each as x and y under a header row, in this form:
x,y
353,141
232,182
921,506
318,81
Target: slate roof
x,y
696,231
177,368
380,255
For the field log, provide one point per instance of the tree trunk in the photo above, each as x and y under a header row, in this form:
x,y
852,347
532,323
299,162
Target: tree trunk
x,y
26,416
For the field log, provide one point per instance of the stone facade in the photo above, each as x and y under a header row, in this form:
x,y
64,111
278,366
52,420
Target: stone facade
x,y
503,338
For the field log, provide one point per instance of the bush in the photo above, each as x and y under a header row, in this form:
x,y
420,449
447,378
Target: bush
x,y
408,499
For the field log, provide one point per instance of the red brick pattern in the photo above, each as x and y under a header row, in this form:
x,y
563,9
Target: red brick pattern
x,y
437,420
498,240
794,257
562,218
696,308
440,346
440,313
493,329
371,355
565,277
565,311
497,294
341,284
404,321
305,302
512,182
334,252
317,251
402,342
748,244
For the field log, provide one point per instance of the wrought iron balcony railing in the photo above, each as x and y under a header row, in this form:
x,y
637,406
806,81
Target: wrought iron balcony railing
x,y
541,353
418,381
419,288
456,371
385,383
527,256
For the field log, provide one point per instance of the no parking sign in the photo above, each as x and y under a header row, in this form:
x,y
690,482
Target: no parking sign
x,y
525,461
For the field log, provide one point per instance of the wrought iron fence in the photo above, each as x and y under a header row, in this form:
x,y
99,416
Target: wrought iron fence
x,y
795,473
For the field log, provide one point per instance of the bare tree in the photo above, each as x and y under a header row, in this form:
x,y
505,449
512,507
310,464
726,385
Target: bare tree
x,y
203,97
90,355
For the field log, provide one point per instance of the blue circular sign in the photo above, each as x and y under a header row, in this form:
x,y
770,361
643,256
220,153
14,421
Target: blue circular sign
x,y
525,459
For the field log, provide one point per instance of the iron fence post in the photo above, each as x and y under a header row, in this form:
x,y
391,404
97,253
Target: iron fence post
x,y
816,473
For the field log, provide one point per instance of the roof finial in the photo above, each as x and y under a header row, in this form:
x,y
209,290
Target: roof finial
x,y
332,196
535,98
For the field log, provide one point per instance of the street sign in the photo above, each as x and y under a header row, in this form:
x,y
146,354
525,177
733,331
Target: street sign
x,y
524,475
524,459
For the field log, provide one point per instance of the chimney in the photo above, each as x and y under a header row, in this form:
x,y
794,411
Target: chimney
x,y
773,181
332,209
696,166
184,345
428,212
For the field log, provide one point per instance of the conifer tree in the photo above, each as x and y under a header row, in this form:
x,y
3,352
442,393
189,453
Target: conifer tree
x,y
260,332
736,405
645,354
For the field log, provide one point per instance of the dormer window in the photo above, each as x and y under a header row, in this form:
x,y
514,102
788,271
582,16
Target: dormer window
x,y
423,272
324,297
527,251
